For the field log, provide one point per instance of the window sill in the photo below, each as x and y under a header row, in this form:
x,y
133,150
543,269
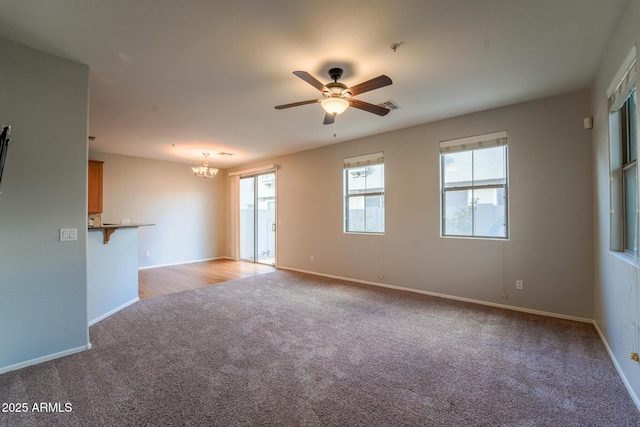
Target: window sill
x,y
499,239
627,258
363,233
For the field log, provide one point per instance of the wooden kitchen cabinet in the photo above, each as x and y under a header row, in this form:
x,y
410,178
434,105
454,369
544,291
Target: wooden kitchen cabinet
x,y
95,186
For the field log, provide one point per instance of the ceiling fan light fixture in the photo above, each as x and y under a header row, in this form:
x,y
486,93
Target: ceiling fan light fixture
x,y
334,105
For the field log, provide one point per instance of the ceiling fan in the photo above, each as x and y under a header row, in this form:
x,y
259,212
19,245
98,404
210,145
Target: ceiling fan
x,y
337,97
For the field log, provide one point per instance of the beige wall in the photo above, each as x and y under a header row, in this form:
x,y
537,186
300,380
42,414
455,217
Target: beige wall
x,y
188,212
615,275
551,238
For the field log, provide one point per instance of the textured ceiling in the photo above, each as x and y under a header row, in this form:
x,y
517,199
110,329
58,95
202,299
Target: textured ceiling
x,y
172,79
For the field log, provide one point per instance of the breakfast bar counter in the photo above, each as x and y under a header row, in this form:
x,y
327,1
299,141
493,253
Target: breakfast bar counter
x,y
109,229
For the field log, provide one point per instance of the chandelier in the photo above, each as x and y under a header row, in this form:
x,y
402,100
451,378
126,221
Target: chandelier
x,y
204,171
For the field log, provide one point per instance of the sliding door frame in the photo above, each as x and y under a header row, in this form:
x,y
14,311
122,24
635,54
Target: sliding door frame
x,y
235,207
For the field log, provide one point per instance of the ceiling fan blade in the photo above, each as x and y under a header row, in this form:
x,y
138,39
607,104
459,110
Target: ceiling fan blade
x,y
311,80
371,108
378,82
296,104
328,119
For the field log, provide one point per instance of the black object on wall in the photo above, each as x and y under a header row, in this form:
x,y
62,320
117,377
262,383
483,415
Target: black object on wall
x,y
4,147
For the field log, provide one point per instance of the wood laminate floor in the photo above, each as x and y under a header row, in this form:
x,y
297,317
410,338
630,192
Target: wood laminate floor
x,y
157,281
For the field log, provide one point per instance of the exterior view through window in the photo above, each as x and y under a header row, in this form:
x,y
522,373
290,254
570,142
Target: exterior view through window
x,y
364,194
474,185
629,140
623,122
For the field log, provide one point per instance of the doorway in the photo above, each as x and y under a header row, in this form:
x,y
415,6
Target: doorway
x,y
257,227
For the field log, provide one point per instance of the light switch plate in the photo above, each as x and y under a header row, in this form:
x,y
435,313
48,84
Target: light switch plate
x,y
68,234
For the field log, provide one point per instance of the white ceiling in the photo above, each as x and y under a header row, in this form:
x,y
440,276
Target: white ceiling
x,y
171,79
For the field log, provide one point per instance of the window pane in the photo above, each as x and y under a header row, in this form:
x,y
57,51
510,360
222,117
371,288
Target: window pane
x,y
356,180
374,214
630,208
365,214
365,179
458,212
489,166
247,218
375,178
355,213
490,212
456,169
633,128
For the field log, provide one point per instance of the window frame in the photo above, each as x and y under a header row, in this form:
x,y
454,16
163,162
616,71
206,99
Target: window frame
x,y
623,89
473,144
353,164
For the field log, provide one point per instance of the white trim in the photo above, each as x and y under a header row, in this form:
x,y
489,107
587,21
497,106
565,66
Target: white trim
x,y
46,358
254,171
276,219
115,310
445,296
182,262
626,65
234,208
625,381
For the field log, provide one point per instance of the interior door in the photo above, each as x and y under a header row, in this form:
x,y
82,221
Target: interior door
x,y
258,218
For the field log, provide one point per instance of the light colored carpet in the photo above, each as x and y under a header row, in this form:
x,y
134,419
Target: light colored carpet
x,y
289,349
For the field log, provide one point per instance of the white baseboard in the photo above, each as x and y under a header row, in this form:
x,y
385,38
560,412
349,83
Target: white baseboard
x,y
626,382
46,358
182,262
452,297
115,310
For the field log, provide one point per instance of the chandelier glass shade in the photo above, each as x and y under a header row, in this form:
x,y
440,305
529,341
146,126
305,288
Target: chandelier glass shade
x,y
334,105
204,171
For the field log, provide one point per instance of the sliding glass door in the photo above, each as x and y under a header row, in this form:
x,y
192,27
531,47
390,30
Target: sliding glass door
x,y
258,218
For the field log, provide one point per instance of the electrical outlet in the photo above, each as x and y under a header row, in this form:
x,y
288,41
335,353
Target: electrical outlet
x,y
311,258
519,285
148,254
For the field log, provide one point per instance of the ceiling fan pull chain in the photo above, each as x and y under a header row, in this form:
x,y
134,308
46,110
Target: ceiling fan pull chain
x,y
334,124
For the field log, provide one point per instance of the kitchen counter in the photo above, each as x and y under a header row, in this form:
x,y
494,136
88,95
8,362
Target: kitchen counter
x,y
118,226
109,229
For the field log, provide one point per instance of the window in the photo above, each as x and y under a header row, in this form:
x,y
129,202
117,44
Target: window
x,y
624,157
364,194
629,150
474,186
